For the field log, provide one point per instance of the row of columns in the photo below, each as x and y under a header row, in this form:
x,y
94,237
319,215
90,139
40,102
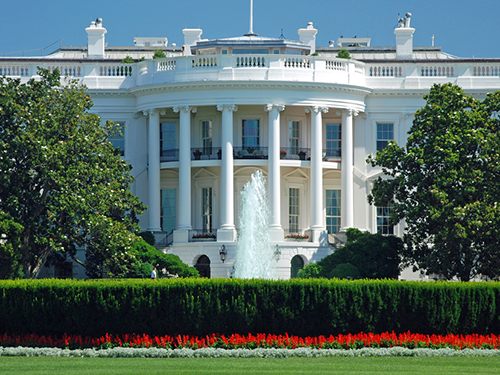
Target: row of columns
x,y
227,232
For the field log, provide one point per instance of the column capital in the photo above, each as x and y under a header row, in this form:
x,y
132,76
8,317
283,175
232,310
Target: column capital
x,y
348,112
229,107
269,107
184,108
150,112
316,109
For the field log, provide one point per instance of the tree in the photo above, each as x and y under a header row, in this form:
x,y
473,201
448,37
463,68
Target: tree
x,y
159,54
344,54
148,257
444,185
366,255
63,184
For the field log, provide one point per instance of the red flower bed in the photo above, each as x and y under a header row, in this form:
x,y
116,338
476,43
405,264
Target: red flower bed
x,y
361,340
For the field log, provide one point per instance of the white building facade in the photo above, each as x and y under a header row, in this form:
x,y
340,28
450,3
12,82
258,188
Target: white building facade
x,y
199,122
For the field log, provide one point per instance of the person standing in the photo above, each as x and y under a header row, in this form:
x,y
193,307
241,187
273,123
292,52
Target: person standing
x,y
153,273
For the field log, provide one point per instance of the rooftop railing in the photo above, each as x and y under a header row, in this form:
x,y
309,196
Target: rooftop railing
x,y
114,75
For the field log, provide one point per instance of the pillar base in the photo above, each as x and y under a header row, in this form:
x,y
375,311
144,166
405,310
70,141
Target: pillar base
x,y
181,235
226,235
276,234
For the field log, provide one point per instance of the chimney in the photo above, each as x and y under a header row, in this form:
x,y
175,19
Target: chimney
x,y
308,36
191,36
95,44
404,38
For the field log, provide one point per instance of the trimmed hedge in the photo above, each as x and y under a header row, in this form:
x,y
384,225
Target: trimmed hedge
x,y
309,307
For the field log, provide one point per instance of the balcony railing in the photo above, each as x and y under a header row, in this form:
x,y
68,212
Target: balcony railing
x,y
206,153
202,235
295,153
299,235
256,152
169,155
332,154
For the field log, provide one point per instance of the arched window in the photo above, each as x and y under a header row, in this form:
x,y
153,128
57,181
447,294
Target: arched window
x,y
203,266
297,265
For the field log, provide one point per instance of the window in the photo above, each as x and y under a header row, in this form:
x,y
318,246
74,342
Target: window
x,y
167,136
206,209
293,137
385,133
297,264
168,214
63,270
250,134
333,211
293,210
167,139
383,222
118,140
206,129
333,139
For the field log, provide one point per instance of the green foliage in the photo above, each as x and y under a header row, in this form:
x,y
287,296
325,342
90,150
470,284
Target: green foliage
x,y
344,54
166,263
345,271
444,184
305,307
10,267
159,54
149,237
371,256
63,183
127,60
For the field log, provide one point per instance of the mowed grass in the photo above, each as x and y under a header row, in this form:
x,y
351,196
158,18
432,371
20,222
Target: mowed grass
x,y
384,365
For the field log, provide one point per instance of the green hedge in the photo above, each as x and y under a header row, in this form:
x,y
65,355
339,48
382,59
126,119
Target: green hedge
x,y
203,306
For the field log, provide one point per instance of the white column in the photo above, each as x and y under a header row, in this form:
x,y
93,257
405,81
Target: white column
x,y
274,175
227,231
317,221
184,219
347,170
154,203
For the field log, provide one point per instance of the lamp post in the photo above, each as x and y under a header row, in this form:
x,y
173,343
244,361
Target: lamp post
x,y
277,253
223,253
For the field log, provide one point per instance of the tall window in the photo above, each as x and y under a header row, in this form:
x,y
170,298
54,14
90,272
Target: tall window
x,y
385,133
383,223
333,139
250,134
168,218
206,209
293,210
206,129
167,138
333,211
293,137
118,140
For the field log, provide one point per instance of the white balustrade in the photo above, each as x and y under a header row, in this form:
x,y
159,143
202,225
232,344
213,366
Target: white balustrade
x,y
251,61
163,65
486,71
204,62
386,71
336,65
437,71
297,62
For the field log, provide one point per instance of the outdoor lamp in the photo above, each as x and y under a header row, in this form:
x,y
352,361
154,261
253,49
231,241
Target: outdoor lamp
x,y
277,253
223,253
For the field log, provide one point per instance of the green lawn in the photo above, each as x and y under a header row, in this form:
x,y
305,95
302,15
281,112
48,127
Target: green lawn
x,y
338,366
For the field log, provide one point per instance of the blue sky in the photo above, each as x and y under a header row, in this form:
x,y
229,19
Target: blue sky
x,y
462,28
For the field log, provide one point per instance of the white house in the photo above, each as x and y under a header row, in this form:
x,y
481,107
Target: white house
x,y
199,122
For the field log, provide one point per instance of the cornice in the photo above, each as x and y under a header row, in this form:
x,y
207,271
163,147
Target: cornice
x,y
196,86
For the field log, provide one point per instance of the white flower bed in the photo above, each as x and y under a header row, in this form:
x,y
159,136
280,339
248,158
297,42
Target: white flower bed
x,y
244,353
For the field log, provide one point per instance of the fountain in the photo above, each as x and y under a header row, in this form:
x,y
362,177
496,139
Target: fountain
x,y
254,254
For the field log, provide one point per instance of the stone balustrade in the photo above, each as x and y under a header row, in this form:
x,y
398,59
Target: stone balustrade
x,y
257,67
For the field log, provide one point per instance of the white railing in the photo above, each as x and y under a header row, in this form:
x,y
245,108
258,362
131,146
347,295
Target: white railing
x,y
162,65
251,61
204,62
487,70
259,67
336,65
385,71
